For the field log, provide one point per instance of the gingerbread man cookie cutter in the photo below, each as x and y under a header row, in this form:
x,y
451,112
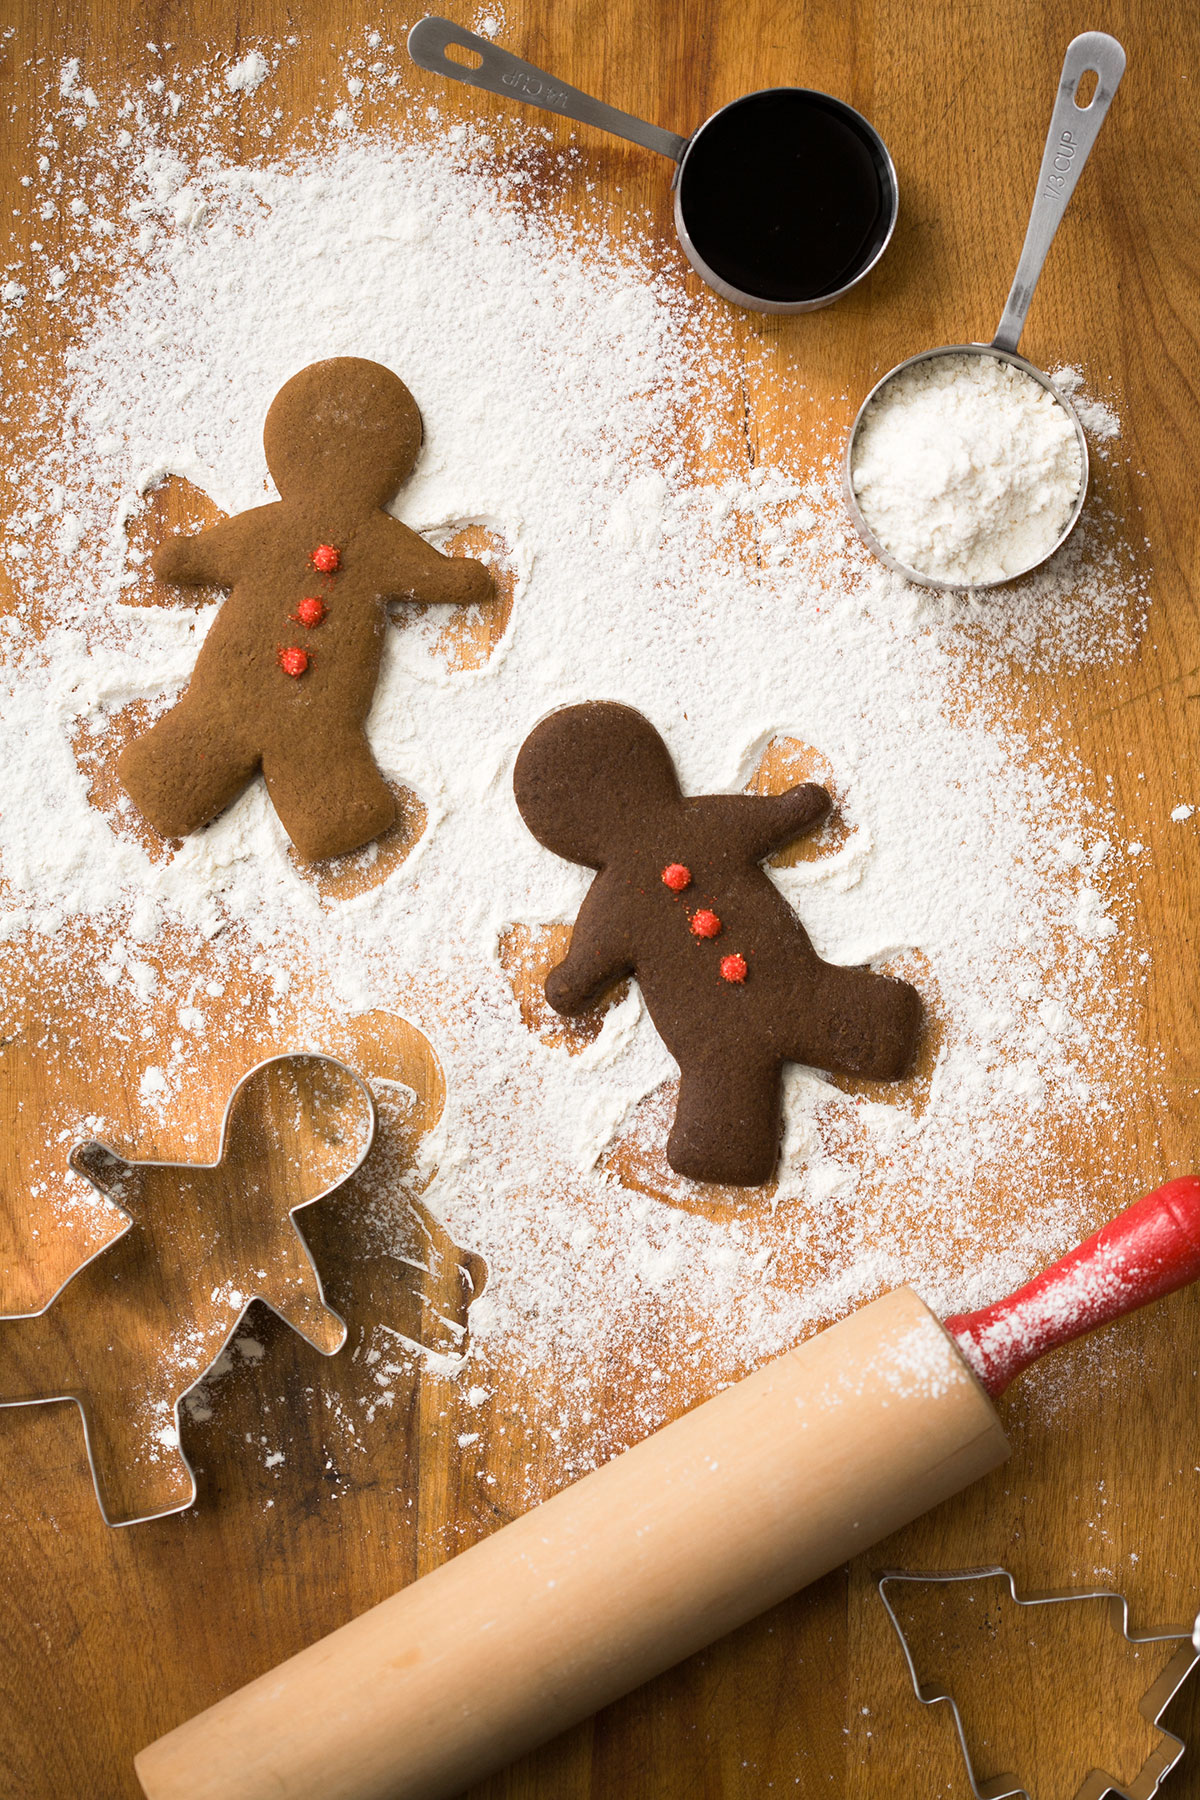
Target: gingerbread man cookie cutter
x,y
295,1128
1152,1706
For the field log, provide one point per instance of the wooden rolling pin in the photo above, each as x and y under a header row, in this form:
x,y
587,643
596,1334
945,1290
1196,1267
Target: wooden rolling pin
x,y
710,1521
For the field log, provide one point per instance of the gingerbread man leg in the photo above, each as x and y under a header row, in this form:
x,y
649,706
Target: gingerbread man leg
x,y
32,1363
727,1129
139,1467
136,1469
856,1022
330,797
137,1464
185,770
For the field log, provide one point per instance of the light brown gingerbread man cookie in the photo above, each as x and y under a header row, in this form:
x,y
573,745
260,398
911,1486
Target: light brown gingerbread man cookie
x,y
728,972
286,676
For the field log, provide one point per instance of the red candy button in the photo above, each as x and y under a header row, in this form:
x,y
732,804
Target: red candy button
x,y
733,968
293,660
326,559
677,877
705,924
310,611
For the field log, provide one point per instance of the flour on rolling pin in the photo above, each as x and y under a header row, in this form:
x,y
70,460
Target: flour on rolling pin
x,y
922,1360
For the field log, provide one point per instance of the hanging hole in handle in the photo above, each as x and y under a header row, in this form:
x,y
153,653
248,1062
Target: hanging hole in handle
x,y
1085,90
464,55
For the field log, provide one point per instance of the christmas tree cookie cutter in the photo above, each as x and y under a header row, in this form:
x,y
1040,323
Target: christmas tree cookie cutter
x,y
141,1321
1153,1705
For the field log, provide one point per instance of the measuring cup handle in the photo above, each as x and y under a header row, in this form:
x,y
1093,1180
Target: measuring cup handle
x,y
499,72
1073,131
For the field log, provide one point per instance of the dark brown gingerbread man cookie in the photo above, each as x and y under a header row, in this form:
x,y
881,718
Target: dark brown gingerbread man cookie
x,y
730,977
286,675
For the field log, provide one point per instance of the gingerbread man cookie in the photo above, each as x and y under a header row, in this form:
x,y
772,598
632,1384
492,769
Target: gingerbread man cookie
x,y
728,973
286,675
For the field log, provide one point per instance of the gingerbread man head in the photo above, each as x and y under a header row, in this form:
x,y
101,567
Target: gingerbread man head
x,y
583,770
344,432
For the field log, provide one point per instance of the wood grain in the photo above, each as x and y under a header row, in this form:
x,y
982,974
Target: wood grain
x,y
108,1638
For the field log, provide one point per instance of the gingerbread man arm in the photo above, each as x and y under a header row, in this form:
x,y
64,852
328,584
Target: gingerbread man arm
x,y
411,569
599,954
209,559
108,1173
293,1290
756,824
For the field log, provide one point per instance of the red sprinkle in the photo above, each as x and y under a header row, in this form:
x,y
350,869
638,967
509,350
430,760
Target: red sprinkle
x,y
292,659
677,876
733,968
326,559
310,612
705,924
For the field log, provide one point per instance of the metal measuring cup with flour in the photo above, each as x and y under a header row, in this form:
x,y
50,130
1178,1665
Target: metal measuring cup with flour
x,y
966,466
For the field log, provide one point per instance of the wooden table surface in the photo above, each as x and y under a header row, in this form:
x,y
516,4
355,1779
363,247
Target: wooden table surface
x,y
109,1638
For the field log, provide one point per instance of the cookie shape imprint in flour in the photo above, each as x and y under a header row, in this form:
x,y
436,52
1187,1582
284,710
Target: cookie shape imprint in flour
x,y
286,676
728,973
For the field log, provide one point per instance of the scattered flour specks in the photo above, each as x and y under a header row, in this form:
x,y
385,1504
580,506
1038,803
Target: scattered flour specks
x,y
248,75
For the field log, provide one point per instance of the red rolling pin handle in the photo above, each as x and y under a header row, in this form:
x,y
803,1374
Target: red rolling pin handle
x,y
1144,1253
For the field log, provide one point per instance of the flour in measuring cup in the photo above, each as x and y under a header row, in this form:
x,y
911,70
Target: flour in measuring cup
x,y
966,469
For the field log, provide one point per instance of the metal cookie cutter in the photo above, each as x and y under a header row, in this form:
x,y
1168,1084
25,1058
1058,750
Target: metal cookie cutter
x,y
1152,1706
145,1318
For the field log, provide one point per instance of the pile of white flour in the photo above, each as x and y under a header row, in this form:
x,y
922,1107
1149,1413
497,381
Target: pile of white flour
x,y
966,469
590,414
